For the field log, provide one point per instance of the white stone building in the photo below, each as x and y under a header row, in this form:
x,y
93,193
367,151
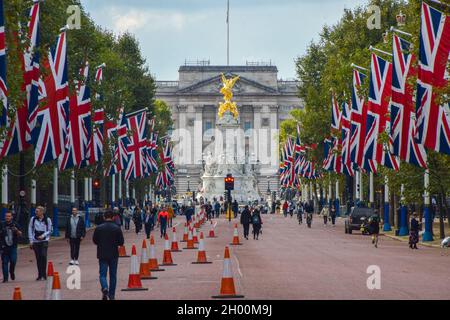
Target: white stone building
x,y
263,101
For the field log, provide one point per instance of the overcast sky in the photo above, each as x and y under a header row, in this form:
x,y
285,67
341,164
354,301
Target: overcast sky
x,y
171,31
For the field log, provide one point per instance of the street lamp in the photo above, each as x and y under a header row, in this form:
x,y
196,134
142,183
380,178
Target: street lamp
x,y
268,185
188,188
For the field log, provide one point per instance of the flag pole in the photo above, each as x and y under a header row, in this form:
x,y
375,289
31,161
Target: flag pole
x,y
228,32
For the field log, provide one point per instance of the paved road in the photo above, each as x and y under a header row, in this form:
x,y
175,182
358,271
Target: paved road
x,y
287,262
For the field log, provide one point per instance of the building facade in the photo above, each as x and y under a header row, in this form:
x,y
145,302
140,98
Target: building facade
x,y
263,101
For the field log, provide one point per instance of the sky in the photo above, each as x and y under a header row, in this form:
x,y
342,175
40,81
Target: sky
x,y
172,31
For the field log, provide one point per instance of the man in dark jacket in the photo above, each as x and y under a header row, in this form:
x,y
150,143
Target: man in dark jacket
x,y
246,219
108,237
235,208
75,233
9,234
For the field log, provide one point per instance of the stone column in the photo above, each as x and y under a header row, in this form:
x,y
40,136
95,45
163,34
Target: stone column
x,y
198,134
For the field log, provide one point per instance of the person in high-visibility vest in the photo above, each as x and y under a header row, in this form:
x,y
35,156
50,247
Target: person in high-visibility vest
x,y
163,218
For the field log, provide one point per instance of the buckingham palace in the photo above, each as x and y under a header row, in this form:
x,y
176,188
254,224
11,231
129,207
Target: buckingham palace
x,y
263,101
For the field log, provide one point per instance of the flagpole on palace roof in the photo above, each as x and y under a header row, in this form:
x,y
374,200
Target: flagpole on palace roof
x,y
228,32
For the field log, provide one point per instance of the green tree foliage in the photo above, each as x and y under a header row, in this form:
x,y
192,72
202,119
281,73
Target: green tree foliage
x,y
127,81
326,68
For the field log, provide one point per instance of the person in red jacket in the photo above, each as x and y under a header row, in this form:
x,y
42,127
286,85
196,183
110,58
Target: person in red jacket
x,y
163,217
285,208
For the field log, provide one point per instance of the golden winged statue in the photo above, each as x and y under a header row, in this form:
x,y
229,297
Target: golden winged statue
x,y
227,91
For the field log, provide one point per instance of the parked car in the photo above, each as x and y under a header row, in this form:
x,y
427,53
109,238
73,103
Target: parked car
x,y
356,217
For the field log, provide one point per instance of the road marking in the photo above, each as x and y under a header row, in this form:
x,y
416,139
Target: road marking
x,y
238,267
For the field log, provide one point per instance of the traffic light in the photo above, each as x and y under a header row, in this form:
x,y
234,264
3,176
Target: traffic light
x,y
229,182
96,183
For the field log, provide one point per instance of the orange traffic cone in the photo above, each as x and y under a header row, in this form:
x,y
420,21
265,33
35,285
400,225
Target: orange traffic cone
x,y
50,273
227,290
123,252
236,241
190,241
194,235
153,261
56,287
201,257
174,247
185,234
167,258
144,269
211,231
134,278
17,295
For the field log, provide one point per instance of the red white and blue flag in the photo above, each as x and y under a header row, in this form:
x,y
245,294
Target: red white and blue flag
x,y
49,134
402,128
79,129
3,86
23,121
152,153
357,120
347,165
136,166
432,118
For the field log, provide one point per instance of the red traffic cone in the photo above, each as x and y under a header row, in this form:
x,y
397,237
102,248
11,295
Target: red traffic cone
x,y
17,295
194,235
134,278
227,289
167,258
153,261
201,257
185,234
236,241
211,231
48,288
123,252
174,247
56,287
190,241
144,269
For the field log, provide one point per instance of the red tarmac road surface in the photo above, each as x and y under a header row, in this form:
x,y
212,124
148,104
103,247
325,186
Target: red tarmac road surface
x,y
289,261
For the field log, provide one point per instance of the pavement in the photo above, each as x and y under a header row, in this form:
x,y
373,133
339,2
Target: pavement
x,y
289,261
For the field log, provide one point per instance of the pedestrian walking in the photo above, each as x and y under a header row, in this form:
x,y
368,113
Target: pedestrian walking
x,y
291,208
333,215
9,235
137,219
414,232
163,217
217,208
171,213
148,223
127,217
39,231
117,219
374,229
189,213
256,223
235,208
246,220
108,238
75,233
325,213
285,208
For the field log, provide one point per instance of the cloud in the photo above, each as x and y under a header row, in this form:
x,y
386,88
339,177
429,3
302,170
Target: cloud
x,y
151,20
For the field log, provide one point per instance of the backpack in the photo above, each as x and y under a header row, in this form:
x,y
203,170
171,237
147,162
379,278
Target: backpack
x,y
255,219
34,221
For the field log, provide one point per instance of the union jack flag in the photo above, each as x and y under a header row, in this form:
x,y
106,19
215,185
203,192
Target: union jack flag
x,y
335,114
19,132
166,177
95,146
328,157
136,124
79,129
358,120
402,106
358,125
347,165
50,132
432,119
3,86
377,113
152,153
119,134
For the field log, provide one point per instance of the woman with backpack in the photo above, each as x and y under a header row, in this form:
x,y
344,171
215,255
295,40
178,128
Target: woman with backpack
x,y
39,231
257,223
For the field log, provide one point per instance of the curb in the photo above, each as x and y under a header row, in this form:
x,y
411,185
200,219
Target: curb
x,y
405,240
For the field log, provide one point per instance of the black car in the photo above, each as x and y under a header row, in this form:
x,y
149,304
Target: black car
x,y
356,218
